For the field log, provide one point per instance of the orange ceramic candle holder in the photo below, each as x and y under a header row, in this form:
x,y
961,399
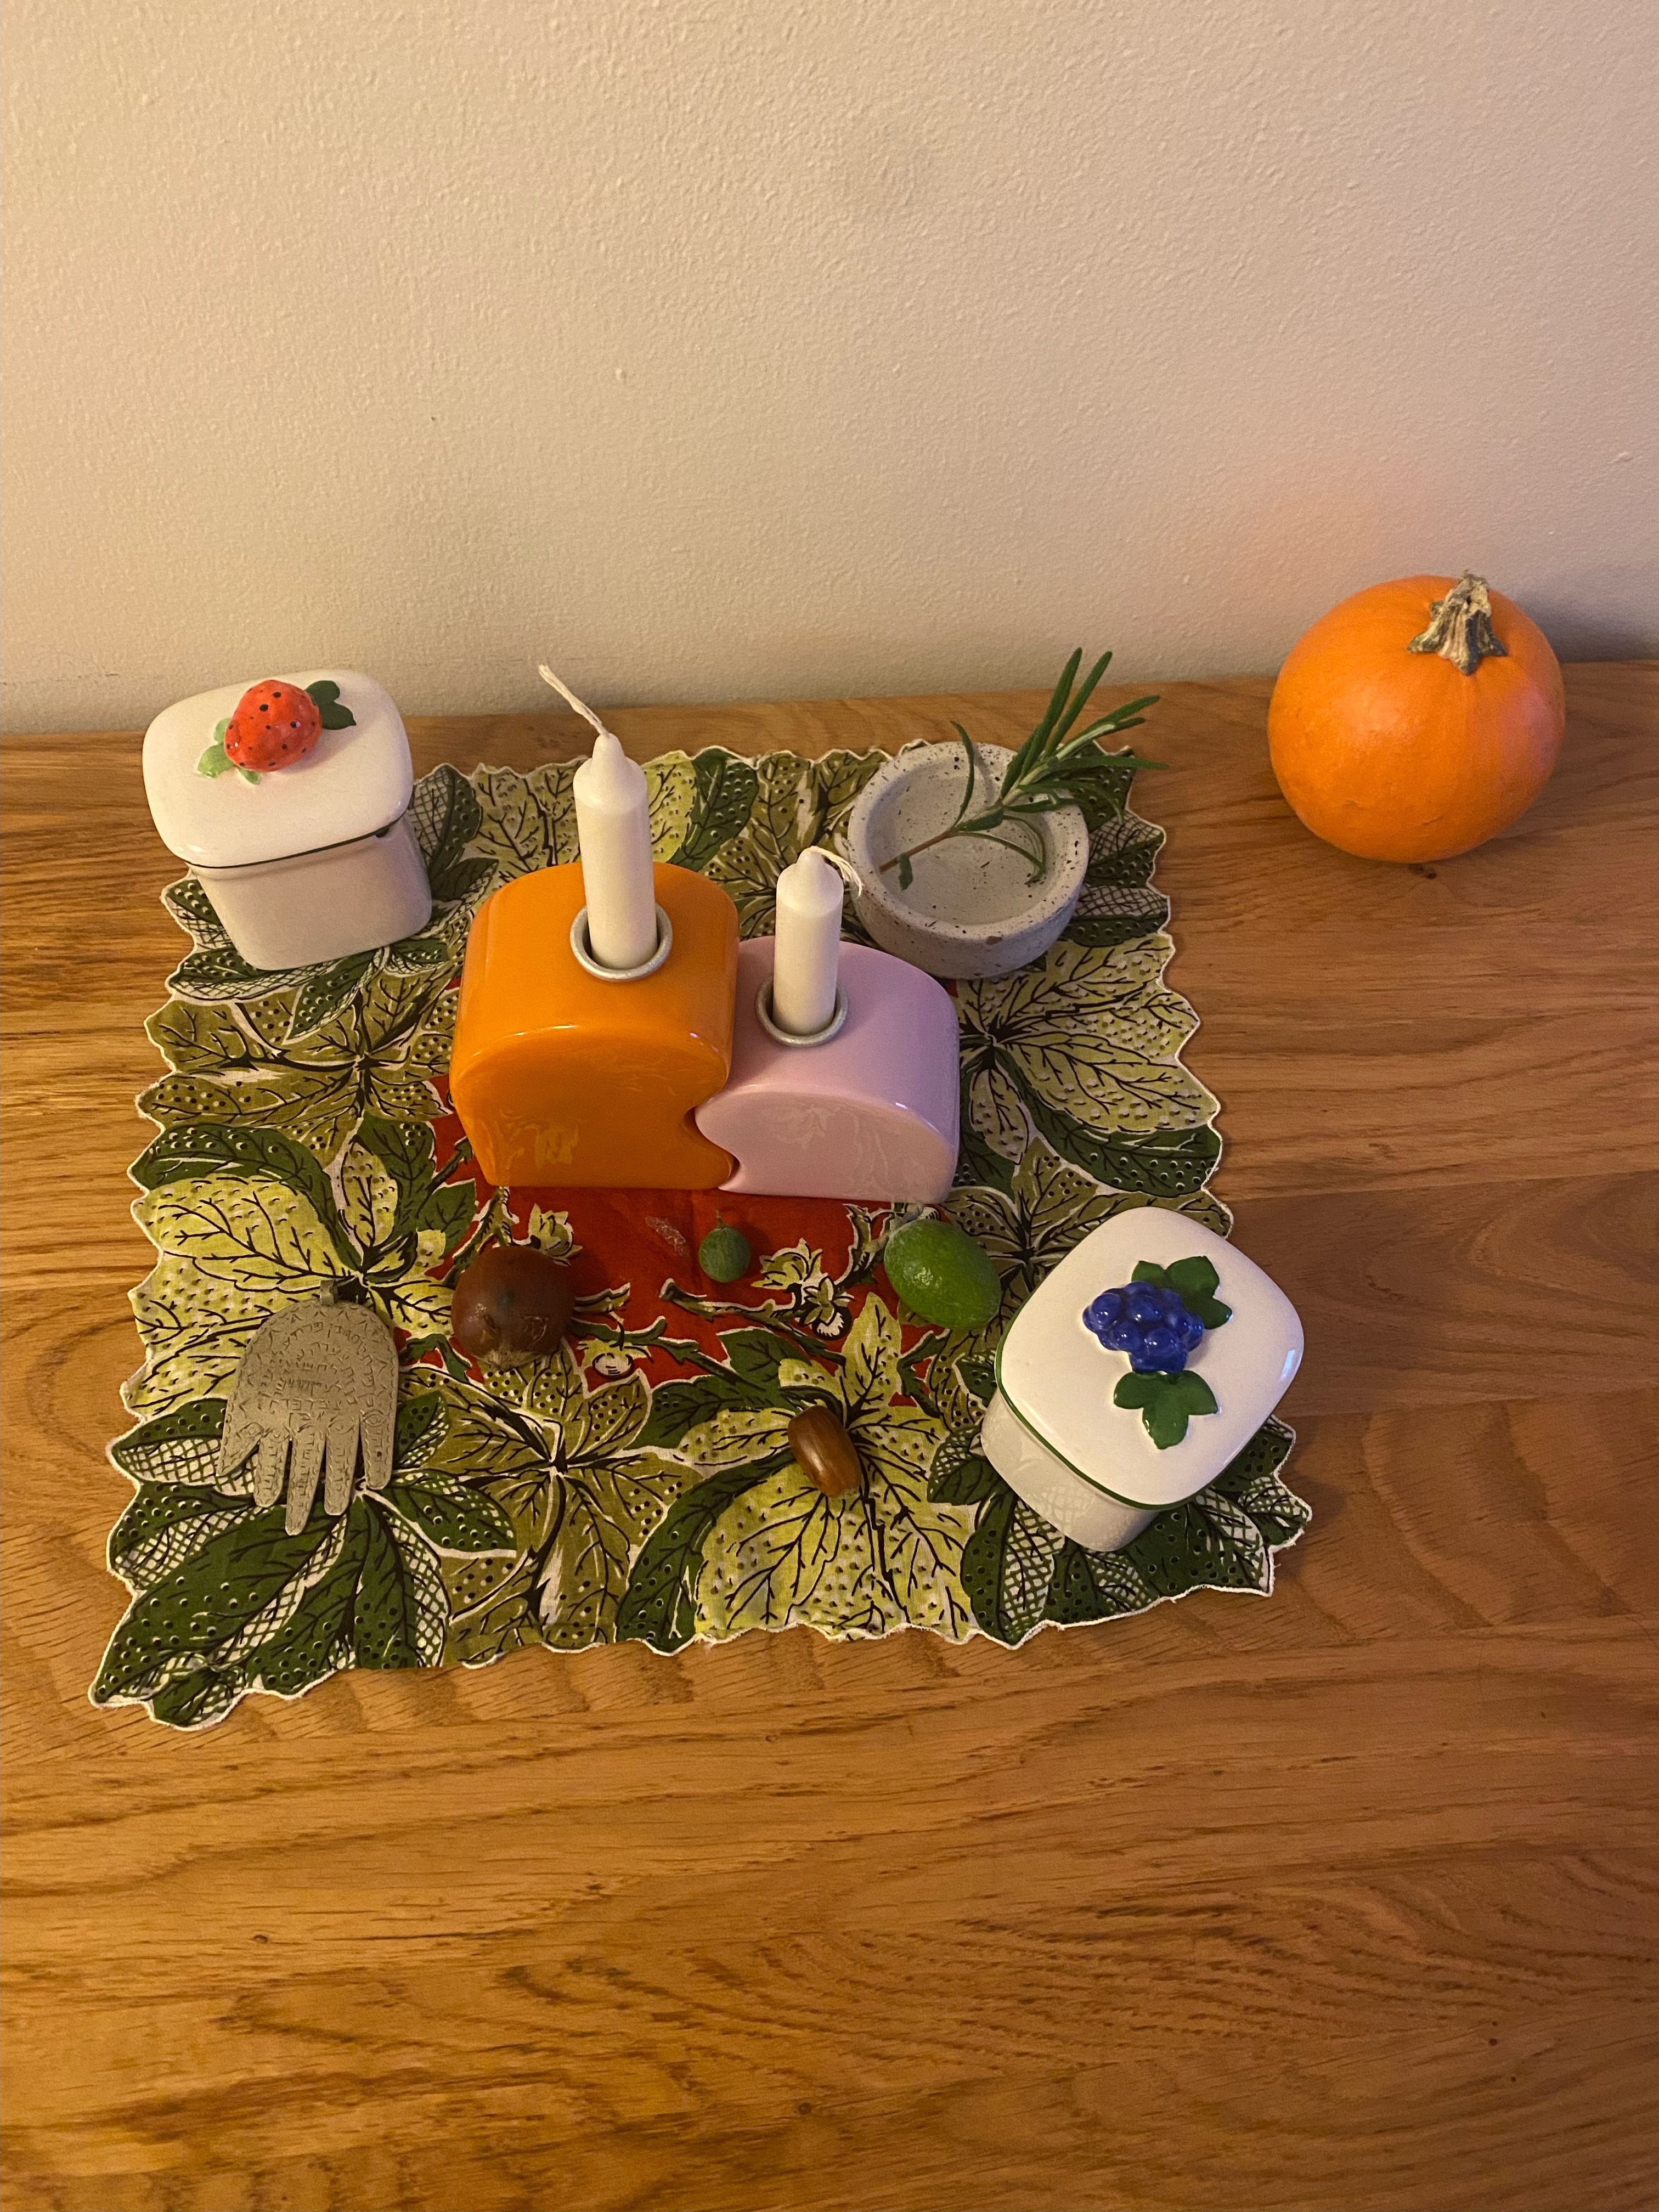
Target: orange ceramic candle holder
x,y
561,1076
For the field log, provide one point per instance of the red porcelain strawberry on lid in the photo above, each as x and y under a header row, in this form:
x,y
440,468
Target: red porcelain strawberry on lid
x,y
275,725
314,863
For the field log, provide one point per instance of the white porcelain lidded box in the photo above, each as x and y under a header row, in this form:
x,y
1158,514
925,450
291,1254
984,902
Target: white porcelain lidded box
x,y
290,800
1135,1373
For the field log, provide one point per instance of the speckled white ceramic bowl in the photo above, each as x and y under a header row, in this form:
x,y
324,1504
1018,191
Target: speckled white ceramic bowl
x,y
971,909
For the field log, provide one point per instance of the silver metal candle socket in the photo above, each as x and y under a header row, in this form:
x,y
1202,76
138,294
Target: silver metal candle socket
x,y
584,953
831,1028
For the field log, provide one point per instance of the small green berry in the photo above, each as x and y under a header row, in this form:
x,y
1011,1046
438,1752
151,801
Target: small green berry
x,y
724,1254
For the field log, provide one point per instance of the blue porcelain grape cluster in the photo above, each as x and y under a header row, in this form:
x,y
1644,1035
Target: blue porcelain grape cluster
x,y
1151,1325
1158,1320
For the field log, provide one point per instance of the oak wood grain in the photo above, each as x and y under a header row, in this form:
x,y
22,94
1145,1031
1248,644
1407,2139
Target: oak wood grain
x,y
1349,1897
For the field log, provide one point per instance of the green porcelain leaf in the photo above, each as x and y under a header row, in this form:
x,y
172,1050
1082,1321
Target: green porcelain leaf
x,y
215,760
1165,1402
331,711
1194,1282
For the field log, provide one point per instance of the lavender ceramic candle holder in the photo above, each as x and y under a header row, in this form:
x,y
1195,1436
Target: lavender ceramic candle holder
x,y
868,1111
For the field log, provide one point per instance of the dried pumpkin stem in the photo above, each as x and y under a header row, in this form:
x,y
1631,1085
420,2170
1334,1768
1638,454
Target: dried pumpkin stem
x,y
1460,626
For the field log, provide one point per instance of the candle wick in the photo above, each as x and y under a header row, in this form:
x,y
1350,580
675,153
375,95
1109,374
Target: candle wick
x,y
843,867
570,699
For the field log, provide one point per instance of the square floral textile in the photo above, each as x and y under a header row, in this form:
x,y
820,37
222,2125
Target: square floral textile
x,y
640,1485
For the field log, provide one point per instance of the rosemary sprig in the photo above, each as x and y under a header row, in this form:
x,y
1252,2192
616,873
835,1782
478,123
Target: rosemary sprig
x,y
1053,768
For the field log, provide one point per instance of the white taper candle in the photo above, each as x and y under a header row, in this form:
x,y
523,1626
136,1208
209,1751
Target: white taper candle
x,y
807,961
613,828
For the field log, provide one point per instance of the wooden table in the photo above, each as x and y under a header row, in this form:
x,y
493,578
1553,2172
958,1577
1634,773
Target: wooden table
x,y
1346,1899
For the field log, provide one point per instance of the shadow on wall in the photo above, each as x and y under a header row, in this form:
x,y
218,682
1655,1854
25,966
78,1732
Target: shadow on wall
x,y
1565,611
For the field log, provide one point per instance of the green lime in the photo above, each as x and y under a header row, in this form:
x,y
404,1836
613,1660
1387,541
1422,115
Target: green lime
x,y
724,1254
942,1275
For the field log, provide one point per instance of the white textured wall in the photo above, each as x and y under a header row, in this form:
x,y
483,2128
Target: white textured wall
x,y
748,348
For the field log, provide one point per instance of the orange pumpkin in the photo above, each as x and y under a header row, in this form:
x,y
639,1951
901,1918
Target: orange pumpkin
x,y
1416,719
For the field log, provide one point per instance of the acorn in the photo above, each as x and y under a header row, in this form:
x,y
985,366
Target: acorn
x,y
511,1303
824,1453
725,1253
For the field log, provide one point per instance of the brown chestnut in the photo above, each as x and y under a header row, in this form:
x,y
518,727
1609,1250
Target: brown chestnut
x,y
511,1303
824,1453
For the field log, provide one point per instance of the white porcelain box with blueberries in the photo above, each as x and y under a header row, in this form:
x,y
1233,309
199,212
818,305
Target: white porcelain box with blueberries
x,y
1138,1371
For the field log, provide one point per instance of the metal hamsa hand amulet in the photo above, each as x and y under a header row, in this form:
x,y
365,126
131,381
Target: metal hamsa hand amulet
x,y
316,1381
